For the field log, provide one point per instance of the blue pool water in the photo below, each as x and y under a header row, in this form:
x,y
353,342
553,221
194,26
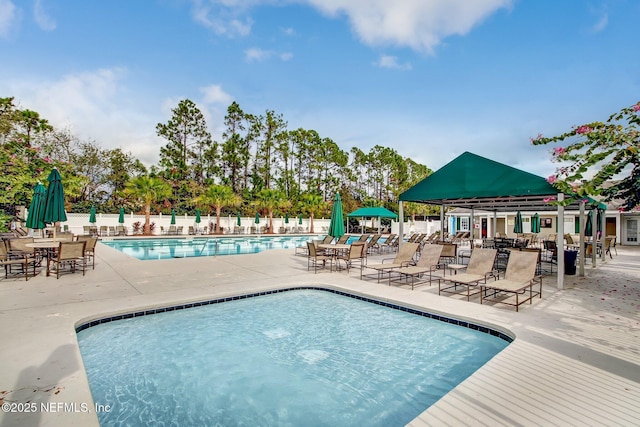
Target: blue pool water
x,y
153,249
303,357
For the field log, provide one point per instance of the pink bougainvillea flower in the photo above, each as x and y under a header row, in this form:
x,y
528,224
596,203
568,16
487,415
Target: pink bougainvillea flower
x,y
636,107
558,151
548,199
583,129
47,159
551,179
537,138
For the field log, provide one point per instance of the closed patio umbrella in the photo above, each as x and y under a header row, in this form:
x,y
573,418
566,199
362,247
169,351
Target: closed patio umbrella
x,y
173,217
300,219
517,226
198,219
286,218
257,220
588,228
54,205
535,224
336,226
92,215
36,208
121,216
239,220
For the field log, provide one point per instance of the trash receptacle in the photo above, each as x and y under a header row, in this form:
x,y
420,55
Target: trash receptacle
x,y
570,258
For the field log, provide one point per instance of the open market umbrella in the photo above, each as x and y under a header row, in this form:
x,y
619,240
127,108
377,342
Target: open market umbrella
x,y
54,204
517,226
336,226
173,217
121,216
535,223
92,215
36,208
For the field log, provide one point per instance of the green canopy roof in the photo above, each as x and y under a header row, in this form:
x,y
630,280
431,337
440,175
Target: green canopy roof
x,y
472,181
374,212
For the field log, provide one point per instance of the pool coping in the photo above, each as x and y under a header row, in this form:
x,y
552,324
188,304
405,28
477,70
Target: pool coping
x,y
554,372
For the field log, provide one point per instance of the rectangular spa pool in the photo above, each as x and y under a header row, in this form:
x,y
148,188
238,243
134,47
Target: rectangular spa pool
x,y
301,357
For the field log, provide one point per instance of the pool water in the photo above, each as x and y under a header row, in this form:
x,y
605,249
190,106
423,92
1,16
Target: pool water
x,y
154,249
303,357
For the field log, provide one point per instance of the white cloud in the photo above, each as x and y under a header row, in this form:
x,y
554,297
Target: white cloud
x,y
256,54
418,24
8,17
288,31
387,61
222,17
214,94
602,23
44,21
93,105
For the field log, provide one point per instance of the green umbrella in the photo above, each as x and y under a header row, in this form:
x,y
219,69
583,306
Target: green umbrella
x,y
239,221
517,226
300,219
336,226
198,219
92,215
588,228
54,204
257,221
286,218
535,223
173,217
36,208
121,216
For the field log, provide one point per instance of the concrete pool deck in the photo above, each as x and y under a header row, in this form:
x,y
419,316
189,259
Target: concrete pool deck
x,y
575,359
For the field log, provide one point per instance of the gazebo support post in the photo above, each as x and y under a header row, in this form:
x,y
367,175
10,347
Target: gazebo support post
x,y
603,235
401,225
594,237
560,242
442,223
582,247
495,223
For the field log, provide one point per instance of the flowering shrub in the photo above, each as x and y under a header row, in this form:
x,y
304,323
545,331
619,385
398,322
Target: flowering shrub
x,y
599,152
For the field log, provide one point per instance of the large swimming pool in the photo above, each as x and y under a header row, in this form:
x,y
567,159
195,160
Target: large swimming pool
x,y
302,357
154,249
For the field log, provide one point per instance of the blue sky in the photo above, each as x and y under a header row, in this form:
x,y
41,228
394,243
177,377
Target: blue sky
x,y
430,78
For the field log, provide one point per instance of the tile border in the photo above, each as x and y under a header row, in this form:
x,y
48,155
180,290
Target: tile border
x,y
446,319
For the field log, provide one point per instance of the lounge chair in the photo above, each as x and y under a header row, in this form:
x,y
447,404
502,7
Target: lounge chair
x,y
449,252
314,258
343,239
404,257
519,279
429,262
479,269
364,238
373,243
390,243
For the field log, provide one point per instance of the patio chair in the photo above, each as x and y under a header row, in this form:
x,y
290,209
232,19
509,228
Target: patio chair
x,y
373,243
403,258
519,279
179,230
429,262
23,260
479,269
89,249
613,245
314,258
364,238
357,254
72,255
449,252
104,231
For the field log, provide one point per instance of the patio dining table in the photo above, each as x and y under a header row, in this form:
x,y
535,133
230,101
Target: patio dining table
x,y
334,249
48,247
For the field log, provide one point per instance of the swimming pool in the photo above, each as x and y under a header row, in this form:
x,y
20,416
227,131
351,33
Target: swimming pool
x,y
305,357
154,249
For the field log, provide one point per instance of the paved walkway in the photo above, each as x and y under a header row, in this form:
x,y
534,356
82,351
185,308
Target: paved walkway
x,y
575,360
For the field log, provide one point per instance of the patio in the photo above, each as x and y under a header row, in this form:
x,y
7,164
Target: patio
x,y
575,360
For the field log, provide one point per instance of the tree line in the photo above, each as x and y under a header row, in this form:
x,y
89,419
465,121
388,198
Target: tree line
x,y
258,164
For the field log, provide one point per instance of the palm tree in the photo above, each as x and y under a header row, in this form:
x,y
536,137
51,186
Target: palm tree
x,y
312,204
271,200
219,196
147,190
